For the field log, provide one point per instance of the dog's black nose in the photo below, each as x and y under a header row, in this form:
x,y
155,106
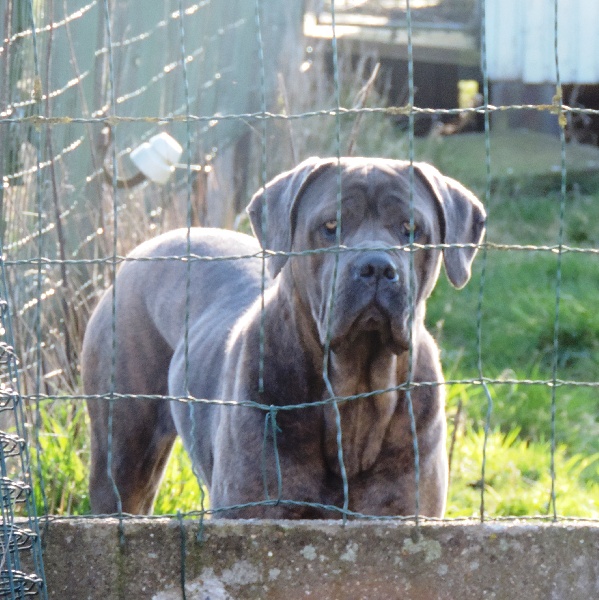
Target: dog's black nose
x,y
376,267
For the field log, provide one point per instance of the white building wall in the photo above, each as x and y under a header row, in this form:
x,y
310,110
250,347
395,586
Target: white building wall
x,y
521,40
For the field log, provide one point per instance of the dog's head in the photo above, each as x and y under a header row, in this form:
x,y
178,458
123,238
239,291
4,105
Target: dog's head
x,y
376,209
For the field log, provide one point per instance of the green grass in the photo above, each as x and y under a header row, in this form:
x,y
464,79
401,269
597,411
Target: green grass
x,y
520,158
517,306
60,459
518,329
180,490
518,478
518,323
60,466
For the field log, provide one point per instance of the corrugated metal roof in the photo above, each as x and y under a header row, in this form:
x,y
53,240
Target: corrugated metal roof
x,y
521,40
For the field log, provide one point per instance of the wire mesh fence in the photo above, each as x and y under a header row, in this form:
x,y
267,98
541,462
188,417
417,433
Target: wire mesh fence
x,y
21,572
248,96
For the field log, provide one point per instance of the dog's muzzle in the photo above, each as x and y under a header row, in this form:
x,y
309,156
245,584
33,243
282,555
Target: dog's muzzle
x,y
371,301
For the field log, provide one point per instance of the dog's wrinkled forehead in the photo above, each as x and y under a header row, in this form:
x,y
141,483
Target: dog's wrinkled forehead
x,y
361,188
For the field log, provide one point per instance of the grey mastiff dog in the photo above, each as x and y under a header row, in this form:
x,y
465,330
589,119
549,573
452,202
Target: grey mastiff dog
x,y
235,346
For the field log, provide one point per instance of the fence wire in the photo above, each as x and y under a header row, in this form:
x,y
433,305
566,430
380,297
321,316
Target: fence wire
x,y
21,565
84,82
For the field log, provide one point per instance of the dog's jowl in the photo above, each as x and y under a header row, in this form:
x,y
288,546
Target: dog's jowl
x,y
356,248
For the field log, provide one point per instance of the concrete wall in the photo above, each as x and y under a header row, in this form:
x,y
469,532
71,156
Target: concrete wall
x,y
90,559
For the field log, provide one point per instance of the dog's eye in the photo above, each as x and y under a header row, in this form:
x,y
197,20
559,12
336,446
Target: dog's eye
x,y
330,227
408,228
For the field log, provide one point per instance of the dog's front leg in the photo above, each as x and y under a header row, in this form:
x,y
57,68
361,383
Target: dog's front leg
x,y
264,469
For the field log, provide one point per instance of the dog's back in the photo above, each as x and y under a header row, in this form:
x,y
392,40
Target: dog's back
x,y
132,335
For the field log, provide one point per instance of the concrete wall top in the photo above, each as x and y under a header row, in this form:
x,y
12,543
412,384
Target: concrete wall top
x,y
232,560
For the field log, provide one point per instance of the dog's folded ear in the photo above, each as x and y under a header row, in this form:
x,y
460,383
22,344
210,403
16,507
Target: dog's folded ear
x,y
271,209
462,221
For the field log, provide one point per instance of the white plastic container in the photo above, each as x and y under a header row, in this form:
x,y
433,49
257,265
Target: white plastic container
x,y
157,157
